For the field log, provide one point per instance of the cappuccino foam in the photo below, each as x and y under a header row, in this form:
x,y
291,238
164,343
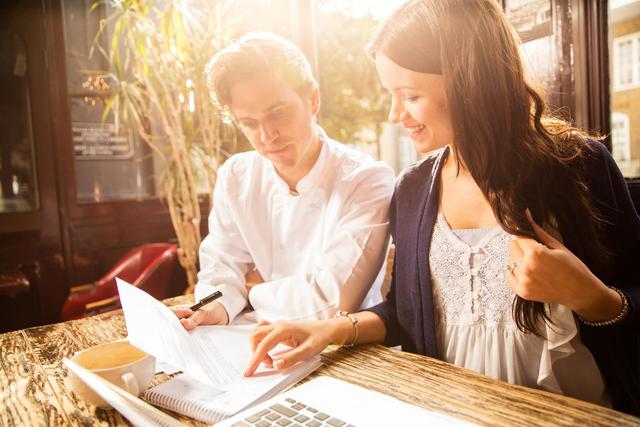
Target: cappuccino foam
x,y
109,355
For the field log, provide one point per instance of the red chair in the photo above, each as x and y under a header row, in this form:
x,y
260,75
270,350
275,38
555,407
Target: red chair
x,y
148,267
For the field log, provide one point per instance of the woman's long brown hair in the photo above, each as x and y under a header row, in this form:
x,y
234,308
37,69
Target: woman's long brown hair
x,y
520,157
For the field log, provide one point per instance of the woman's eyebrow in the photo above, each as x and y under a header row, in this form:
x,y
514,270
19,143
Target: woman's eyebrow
x,y
405,88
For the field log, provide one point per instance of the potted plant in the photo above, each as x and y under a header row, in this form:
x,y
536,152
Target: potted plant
x,y
157,52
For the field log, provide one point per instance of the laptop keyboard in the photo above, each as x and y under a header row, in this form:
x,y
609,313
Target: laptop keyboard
x,y
290,413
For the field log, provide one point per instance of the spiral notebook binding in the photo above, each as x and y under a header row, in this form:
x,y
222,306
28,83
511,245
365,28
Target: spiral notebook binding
x,y
189,408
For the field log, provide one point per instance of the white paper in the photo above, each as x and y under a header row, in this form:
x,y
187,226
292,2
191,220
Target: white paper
x,y
165,367
216,355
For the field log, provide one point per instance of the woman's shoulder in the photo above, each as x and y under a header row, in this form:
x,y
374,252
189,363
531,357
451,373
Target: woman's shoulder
x,y
419,174
606,186
598,163
597,151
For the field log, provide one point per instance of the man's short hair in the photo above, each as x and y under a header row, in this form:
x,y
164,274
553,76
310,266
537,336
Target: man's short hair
x,y
253,54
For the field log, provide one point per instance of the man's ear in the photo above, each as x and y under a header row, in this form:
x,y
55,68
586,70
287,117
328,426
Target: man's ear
x,y
315,100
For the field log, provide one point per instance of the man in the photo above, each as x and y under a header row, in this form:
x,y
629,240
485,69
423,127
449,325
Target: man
x,y
299,226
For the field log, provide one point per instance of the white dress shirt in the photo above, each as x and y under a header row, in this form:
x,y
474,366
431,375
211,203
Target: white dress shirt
x,y
318,250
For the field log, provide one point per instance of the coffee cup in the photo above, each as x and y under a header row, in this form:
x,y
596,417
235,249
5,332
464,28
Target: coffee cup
x,y
118,362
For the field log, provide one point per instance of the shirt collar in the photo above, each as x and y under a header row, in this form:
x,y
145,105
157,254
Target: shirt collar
x,y
310,180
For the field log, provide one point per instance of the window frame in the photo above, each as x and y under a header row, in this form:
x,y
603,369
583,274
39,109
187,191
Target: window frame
x,y
617,117
635,62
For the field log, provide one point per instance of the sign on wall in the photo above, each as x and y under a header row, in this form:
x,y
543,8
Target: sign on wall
x,y
94,141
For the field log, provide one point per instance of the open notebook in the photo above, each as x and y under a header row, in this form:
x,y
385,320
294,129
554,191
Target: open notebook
x,y
213,359
188,396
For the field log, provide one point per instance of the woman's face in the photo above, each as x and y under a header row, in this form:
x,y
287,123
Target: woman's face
x,y
418,102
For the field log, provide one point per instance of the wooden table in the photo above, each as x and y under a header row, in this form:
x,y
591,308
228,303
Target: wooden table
x,y
34,385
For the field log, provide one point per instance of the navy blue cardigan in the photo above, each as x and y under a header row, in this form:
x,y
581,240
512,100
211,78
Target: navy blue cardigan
x,y
408,311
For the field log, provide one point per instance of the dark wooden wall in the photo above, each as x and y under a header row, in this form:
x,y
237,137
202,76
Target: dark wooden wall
x,y
64,243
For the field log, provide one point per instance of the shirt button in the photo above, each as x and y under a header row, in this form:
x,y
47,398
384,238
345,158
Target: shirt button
x,y
475,294
476,317
474,250
474,272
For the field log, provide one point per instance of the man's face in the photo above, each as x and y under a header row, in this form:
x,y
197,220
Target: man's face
x,y
277,120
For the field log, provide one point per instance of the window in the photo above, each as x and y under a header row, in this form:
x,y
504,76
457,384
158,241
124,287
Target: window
x,y
626,62
624,21
18,179
111,163
620,146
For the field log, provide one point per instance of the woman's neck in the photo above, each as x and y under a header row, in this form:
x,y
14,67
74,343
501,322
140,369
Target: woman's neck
x,y
462,202
454,166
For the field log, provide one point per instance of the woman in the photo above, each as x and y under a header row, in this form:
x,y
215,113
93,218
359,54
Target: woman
x,y
515,239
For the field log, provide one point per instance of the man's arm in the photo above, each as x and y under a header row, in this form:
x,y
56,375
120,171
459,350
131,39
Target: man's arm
x,y
348,265
224,257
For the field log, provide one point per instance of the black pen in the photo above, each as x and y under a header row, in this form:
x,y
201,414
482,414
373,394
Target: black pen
x,y
206,300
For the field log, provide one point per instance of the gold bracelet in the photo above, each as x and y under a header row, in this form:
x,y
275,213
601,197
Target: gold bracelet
x,y
354,322
617,318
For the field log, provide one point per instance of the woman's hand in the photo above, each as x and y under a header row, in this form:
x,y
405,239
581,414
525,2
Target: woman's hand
x,y
307,338
549,272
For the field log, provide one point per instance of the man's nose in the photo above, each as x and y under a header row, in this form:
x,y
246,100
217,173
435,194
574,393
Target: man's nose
x,y
268,134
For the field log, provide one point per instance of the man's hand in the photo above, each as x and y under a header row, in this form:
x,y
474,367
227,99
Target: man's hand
x,y
211,314
251,279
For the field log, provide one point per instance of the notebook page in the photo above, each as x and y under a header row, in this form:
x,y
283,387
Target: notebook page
x,y
233,348
264,384
188,396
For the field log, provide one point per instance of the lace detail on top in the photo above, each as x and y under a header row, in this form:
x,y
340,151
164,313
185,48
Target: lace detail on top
x,y
475,327
469,284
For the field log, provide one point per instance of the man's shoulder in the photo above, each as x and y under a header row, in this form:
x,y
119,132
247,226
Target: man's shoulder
x,y
240,164
236,174
351,162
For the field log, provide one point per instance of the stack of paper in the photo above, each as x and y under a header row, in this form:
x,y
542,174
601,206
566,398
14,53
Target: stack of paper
x,y
214,356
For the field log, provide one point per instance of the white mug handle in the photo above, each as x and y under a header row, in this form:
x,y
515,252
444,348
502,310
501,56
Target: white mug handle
x,y
130,383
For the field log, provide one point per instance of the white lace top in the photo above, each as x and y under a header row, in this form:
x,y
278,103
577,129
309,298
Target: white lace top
x,y
475,326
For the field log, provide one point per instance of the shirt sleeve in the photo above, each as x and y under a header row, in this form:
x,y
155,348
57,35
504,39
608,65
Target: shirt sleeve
x,y
224,257
348,265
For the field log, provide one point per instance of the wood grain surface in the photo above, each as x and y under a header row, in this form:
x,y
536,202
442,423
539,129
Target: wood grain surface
x,y
34,388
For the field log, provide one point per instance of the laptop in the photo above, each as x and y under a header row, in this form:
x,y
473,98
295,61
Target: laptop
x,y
326,401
